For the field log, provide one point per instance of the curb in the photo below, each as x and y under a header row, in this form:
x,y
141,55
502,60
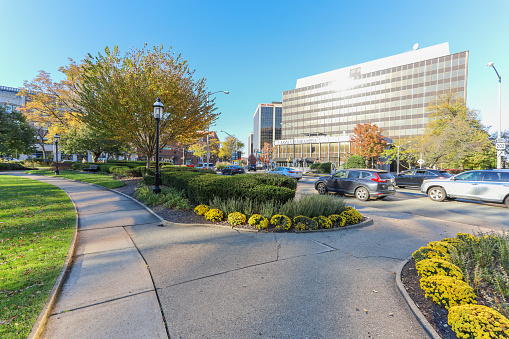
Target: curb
x,y
413,307
366,222
40,324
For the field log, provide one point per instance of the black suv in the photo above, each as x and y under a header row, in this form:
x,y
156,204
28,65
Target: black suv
x,y
363,183
415,177
232,169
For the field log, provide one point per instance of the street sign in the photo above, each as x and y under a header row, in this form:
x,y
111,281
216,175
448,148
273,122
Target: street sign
x,y
500,146
501,153
420,161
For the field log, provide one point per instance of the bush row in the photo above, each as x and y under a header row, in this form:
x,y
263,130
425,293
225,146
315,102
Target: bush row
x,y
201,186
11,165
443,282
349,216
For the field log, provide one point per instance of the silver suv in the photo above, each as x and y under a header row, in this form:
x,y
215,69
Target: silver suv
x,y
483,185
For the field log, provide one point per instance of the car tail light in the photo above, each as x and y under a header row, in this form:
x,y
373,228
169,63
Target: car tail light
x,y
442,177
291,172
377,179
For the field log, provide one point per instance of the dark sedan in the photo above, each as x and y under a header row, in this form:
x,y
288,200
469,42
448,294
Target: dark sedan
x,y
232,169
415,177
363,183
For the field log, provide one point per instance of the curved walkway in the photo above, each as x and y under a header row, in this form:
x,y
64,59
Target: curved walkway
x,y
223,283
108,292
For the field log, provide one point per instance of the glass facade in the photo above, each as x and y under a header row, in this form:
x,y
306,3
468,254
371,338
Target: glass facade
x,y
391,92
394,98
267,124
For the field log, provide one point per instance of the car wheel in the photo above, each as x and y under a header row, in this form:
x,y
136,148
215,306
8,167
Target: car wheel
x,y
506,201
362,194
322,188
437,194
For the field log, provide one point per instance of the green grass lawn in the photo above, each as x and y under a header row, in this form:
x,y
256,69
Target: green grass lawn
x,y
104,180
37,222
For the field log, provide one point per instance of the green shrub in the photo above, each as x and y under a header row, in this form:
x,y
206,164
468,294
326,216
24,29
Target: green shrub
x,y
281,222
325,167
447,291
302,223
355,161
337,220
236,218
168,198
149,179
315,166
477,321
313,205
11,166
323,222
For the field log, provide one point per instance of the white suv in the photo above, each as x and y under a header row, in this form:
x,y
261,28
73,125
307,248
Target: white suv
x,y
483,185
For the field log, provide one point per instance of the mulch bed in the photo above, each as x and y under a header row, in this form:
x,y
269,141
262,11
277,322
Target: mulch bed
x,y
435,314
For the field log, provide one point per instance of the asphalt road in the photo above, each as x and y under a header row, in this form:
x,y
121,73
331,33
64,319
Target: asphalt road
x,y
410,200
225,283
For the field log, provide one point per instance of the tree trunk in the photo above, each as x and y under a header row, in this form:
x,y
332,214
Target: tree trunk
x,y
148,162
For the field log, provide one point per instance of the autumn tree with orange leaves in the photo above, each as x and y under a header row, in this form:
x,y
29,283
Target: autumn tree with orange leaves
x,y
116,91
46,107
367,141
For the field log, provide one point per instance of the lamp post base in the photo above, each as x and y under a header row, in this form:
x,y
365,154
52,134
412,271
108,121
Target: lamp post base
x,y
156,190
57,172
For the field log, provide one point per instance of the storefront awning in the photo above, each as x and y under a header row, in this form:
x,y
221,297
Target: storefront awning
x,y
280,160
310,160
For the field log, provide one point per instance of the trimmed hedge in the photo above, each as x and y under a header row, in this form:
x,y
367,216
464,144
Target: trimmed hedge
x,y
202,186
9,166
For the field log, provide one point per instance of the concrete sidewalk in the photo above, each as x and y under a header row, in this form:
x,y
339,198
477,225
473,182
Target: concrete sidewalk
x,y
108,292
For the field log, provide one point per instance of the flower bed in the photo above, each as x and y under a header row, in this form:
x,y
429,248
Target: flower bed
x,y
457,273
279,222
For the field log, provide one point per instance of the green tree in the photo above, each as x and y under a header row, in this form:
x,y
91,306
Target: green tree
x,y
228,147
408,154
115,93
16,135
454,135
367,141
355,161
83,139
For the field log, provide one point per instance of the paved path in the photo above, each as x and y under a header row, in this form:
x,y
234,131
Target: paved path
x,y
224,283
109,292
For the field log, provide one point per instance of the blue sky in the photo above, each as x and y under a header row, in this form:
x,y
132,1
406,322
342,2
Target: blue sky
x,y
258,49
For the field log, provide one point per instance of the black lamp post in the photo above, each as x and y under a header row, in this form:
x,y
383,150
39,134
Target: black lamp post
x,y
158,111
56,137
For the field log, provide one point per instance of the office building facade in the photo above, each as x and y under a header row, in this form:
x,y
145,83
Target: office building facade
x,y
266,125
321,112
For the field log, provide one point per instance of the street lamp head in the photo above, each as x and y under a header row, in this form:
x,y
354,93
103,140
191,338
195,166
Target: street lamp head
x,y
226,92
56,137
158,108
489,64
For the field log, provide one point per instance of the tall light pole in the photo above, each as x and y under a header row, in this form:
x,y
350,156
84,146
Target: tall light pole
x,y
499,139
158,112
208,129
398,153
236,142
293,136
56,138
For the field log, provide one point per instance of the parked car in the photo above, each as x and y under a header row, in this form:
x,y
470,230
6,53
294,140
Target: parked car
x,y
232,169
287,171
482,185
414,177
204,166
251,167
363,183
